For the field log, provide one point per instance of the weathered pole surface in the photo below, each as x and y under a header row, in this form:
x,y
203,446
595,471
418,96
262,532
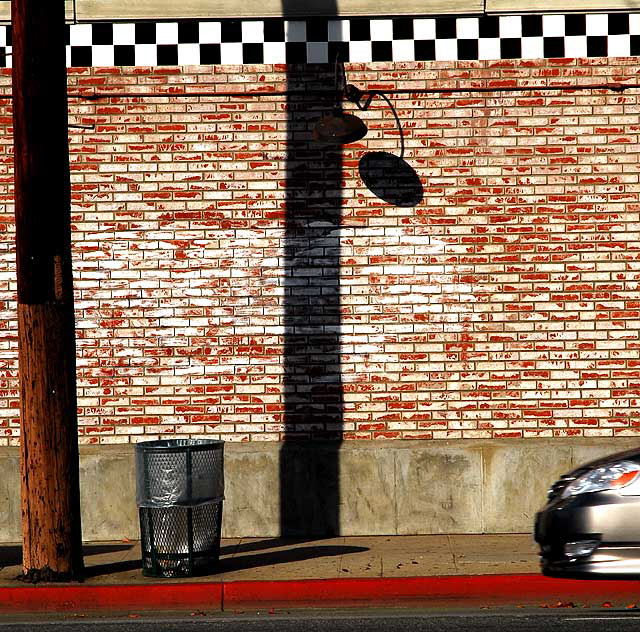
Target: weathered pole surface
x,y
51,532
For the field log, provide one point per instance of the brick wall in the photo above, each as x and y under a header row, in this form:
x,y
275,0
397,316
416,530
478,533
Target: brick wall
x,y
232,284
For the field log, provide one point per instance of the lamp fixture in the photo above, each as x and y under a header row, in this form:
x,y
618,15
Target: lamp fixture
x,y
342,128
339,127
386,175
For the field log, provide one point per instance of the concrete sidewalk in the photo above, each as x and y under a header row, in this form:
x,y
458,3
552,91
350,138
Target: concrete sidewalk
x,y
425,571
342,557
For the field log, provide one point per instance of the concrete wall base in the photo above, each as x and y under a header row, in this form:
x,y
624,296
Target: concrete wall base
x,y
353,488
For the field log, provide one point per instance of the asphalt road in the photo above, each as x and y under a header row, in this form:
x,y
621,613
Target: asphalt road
x,y
578,620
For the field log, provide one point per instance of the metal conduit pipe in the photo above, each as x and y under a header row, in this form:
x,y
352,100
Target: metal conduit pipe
x,y
96,96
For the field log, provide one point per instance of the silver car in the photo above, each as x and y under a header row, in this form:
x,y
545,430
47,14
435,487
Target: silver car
x,y
590,525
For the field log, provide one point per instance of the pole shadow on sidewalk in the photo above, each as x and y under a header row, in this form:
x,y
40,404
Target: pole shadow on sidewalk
x,y
11,555
287,553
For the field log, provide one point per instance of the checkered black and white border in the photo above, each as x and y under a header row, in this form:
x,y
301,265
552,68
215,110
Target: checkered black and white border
x,y
279,41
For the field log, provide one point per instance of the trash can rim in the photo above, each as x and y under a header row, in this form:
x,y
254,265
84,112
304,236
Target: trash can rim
x,y
177,445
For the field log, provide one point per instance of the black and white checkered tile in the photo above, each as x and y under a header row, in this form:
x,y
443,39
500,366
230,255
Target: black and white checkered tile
x,y
279,41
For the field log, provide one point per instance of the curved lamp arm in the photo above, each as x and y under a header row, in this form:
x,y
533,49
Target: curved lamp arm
x,y
355,95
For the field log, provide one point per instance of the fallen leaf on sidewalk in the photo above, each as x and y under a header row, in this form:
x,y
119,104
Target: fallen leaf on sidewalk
x,y
606,604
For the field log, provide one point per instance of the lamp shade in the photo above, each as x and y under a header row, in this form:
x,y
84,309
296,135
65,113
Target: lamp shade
x,y
339,128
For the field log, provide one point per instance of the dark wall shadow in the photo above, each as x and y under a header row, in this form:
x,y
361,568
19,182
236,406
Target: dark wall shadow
x,y
313,400
391,178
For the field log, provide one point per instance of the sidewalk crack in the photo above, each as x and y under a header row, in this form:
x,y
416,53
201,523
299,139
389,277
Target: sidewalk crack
x,y
453,553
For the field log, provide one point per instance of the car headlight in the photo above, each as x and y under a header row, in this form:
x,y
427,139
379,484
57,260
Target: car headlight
x,y
611,476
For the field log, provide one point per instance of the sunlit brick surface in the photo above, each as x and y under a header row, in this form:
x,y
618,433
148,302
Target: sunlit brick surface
x,y
506,303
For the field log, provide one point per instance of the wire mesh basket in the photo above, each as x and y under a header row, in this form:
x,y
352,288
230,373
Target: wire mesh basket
x,y
179,492
180,541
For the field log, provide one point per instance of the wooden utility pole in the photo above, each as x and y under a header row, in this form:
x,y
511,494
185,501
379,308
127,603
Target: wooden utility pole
x,y
52,543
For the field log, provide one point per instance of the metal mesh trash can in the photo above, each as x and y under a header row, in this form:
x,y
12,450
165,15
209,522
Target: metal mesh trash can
x,y
179,492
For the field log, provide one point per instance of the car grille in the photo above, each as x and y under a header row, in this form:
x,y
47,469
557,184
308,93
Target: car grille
x,y
559,486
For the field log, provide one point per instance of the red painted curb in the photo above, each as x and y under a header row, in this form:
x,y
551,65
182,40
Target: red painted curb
x,y
84,597
486,589
428,591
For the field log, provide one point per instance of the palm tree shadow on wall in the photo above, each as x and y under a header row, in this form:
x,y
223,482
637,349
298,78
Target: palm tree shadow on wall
x,y
313,394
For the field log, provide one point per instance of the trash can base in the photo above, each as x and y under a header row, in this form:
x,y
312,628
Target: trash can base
x,y
175,570
180,540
